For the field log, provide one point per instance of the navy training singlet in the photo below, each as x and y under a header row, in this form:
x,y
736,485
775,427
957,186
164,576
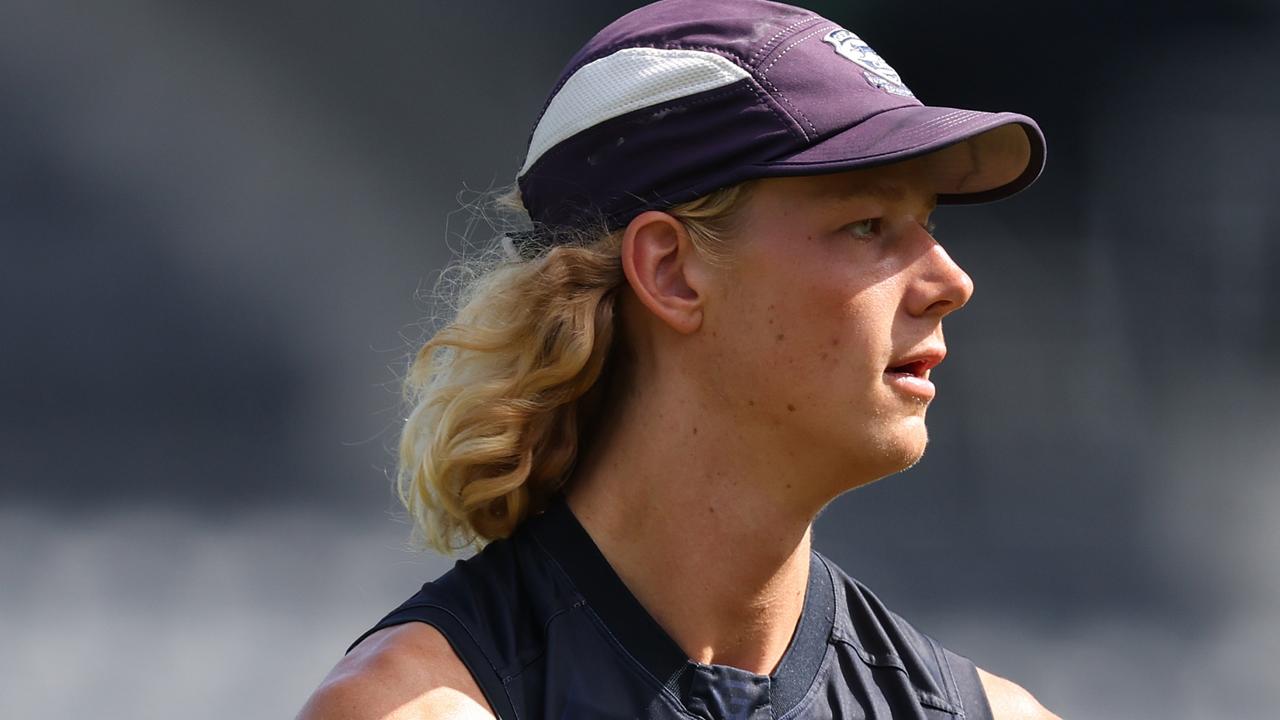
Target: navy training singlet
x,y
549,630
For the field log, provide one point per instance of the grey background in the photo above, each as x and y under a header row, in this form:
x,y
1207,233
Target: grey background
x,y
216,218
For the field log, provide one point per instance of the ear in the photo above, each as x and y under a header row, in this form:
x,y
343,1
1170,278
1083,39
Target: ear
x,y
664,270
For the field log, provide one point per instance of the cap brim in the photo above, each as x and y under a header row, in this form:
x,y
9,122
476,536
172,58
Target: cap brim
x,y
975,156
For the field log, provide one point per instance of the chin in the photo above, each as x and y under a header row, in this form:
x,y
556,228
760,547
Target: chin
x,y
883,454
902,449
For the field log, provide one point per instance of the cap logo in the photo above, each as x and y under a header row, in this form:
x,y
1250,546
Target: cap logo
x,y
876,70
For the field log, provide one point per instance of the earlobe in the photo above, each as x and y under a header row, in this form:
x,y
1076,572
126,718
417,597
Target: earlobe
x,y
660,262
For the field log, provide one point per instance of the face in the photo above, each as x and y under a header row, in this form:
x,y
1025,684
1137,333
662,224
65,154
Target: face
x,y
824,330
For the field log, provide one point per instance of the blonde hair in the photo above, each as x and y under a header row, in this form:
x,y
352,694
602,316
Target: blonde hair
x,y
503,396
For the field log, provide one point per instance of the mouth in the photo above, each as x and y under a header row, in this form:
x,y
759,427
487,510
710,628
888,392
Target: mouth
x,y
918,364
910,374
914,368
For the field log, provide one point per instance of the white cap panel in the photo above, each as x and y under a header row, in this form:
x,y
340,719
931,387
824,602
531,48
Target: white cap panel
x,y
627,80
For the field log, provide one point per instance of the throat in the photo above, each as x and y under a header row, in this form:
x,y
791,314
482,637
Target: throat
x,y
724,597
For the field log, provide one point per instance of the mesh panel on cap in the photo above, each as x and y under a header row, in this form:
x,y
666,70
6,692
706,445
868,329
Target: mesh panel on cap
x,y
629,79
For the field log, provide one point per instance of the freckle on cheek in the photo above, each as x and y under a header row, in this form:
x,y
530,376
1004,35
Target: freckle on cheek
x,y
781,337
835,342
823,355
791,407
752,403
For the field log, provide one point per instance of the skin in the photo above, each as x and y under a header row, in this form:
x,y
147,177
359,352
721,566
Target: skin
x,y
765,385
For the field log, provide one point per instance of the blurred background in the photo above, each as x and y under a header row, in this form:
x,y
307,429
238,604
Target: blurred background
x,y
218,221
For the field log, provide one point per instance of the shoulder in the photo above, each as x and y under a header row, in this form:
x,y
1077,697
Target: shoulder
x,y
1010,701
405,672
880,631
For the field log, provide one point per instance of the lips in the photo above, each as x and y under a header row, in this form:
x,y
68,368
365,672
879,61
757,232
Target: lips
x,y
909,374
917,364
917,368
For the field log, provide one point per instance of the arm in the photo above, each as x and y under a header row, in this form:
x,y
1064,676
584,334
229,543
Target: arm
x,y
1009,701
406,672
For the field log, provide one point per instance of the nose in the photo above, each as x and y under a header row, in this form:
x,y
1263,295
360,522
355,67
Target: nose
x,y
939,286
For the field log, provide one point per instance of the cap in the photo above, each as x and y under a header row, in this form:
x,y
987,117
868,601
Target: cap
x,y
683,97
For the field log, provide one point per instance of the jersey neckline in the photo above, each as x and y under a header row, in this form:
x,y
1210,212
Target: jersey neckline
x,y
697,685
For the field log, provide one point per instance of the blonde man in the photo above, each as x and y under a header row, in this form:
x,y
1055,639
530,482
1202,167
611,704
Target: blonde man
x,y
723,315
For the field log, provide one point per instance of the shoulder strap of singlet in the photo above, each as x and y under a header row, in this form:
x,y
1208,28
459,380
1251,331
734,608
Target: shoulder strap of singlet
x,y
462,642
967,686
947,681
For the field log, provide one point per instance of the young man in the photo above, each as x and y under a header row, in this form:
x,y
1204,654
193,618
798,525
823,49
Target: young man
x,y
725,315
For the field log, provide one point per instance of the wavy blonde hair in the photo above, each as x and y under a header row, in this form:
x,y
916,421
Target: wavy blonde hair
x,y
503,397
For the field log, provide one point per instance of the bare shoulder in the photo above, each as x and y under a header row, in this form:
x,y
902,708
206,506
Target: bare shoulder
x,y
405,672
1010,701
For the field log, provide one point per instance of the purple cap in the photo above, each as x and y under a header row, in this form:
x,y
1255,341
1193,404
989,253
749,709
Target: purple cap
x,y
683,97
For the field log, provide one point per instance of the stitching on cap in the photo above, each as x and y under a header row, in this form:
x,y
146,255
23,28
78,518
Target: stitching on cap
x,y
769,44
929,125
947,120
787,120
801,39
797,110
764,76
942,122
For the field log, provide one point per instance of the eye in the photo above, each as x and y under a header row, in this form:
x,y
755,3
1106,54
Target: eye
x,y
864,229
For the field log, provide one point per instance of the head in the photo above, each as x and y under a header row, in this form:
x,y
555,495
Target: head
x,y
708,223
814,334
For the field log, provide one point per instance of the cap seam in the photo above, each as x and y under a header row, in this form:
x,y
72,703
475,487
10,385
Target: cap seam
x,y
772,42
788,121
765,71
764,77
950,119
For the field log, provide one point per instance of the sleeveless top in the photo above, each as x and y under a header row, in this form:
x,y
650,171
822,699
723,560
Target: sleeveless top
x,y
549,630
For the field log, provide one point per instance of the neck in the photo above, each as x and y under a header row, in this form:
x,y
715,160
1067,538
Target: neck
x,y
706,535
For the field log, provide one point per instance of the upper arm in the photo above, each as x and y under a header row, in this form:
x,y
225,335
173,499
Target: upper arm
x,y
1010,701
405,672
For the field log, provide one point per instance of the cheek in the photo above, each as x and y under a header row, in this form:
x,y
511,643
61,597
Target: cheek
x,y
770,345
835,327
815,342
800,330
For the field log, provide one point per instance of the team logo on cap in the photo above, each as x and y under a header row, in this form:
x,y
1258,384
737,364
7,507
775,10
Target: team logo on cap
x,y
876,70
